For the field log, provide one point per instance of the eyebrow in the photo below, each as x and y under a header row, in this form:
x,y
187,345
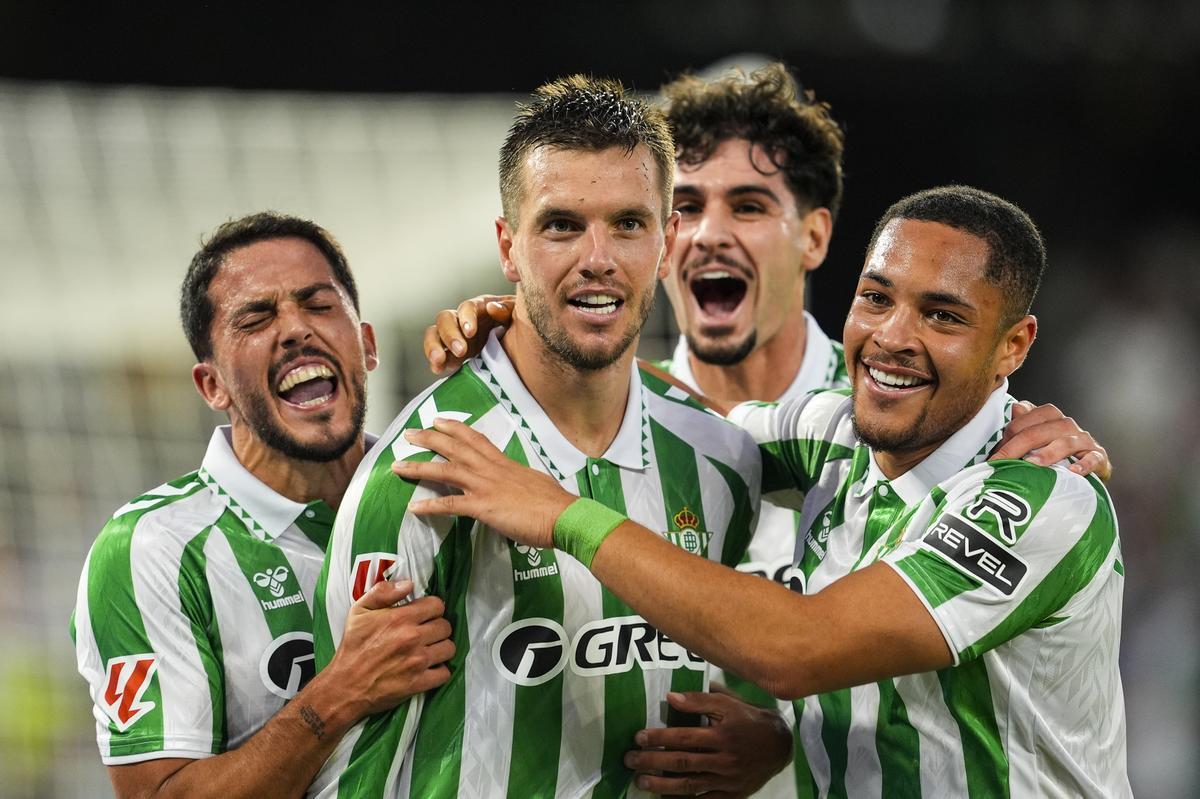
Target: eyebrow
x,y
745,188
637,212
265,305
939,297
546,214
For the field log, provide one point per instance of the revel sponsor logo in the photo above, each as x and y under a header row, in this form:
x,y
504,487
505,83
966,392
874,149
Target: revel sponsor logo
x,y
1007,508
287,664
125,681
973,551
533,651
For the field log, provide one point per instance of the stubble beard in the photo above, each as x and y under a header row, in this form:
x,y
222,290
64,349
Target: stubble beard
x,y
925,431
560,343
721,354
256,410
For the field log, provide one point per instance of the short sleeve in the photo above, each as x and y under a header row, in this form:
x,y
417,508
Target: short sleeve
x,y
1007,546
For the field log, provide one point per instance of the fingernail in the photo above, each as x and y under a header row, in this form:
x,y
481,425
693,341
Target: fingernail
x,y
640,738
1034,459
458,347
468,328
628,760
678,697
408,434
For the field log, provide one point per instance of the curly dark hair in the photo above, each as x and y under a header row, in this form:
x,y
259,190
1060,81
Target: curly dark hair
x,y
1016,250
195,307
580,112
768,109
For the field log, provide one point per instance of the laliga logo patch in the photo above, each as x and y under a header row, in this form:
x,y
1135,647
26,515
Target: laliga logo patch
x,y
687,537
125,680
272,580
287,664
368,570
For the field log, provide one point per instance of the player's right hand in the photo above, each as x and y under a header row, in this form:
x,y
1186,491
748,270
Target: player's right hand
x,y
388,652
460,334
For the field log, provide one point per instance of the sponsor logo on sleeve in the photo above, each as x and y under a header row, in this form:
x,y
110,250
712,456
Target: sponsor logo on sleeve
x,y
369,569
125,681
976,553
287,664
1007,508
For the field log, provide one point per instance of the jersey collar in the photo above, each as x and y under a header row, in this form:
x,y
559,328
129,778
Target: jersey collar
x,y
970,445
265,513
814,368
628,450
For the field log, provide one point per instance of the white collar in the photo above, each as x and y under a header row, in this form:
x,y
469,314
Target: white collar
x,y
628,449
265,513
818,349
970,444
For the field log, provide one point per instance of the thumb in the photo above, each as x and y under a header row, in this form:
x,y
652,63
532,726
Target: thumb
x,y
500,311
384,594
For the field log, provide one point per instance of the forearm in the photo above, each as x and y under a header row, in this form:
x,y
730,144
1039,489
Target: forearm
x,y
280,760
866,626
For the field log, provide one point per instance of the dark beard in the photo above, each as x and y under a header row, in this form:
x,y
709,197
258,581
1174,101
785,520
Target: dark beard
x,y
257,413
559,343
718,355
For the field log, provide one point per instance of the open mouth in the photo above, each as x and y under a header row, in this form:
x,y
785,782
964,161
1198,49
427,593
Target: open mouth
x,y
308,386
890,382
598,304
718,292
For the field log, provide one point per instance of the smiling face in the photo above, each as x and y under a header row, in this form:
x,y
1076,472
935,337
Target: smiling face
x,y
744,249
586,249
924,342
289,355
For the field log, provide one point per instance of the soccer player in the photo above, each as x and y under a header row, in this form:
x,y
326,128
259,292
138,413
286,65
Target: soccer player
x,y
758,185
553,674
961,631
193,623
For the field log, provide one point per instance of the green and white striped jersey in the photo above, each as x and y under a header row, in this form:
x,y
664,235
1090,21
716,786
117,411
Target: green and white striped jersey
x,y
772,549
193,621
553,674
1020,567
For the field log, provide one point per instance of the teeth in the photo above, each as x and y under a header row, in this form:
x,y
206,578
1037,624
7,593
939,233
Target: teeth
x,y
314,401
302,373
720,274
603,304
893,381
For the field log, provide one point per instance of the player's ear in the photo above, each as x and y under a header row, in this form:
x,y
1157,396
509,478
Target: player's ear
x,y
504,240
370,350
211,386
1015,344
670,238
817,228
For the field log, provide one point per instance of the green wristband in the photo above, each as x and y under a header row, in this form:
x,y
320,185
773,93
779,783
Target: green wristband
x,y
582,527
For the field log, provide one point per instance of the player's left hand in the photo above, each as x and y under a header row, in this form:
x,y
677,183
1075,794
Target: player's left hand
x,y
1043,435
512,499
742,748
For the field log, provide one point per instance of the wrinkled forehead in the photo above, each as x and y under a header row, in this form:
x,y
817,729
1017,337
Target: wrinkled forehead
x,y
271,270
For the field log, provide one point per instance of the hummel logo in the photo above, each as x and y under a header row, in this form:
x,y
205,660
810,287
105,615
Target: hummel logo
x,y
532,553
272,579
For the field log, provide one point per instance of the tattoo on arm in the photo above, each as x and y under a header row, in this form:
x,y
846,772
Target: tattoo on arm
x,y
313,720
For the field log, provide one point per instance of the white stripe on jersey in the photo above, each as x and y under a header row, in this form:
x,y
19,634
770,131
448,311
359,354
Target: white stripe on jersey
x,y
863,774
941,773
155,556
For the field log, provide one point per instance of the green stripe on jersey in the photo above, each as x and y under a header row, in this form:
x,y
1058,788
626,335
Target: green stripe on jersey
x,y
205,630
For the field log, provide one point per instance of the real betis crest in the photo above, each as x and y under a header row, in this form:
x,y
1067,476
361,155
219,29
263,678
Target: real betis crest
x,y
685,535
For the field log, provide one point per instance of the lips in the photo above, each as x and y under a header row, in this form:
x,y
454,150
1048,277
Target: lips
x,y
891,379
597,303
308,384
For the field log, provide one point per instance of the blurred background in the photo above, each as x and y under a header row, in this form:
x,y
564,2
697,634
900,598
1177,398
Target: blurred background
x,y
125,136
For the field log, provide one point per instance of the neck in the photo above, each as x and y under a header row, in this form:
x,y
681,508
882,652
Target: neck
x,y
894,464
580,403
765,374
299,481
